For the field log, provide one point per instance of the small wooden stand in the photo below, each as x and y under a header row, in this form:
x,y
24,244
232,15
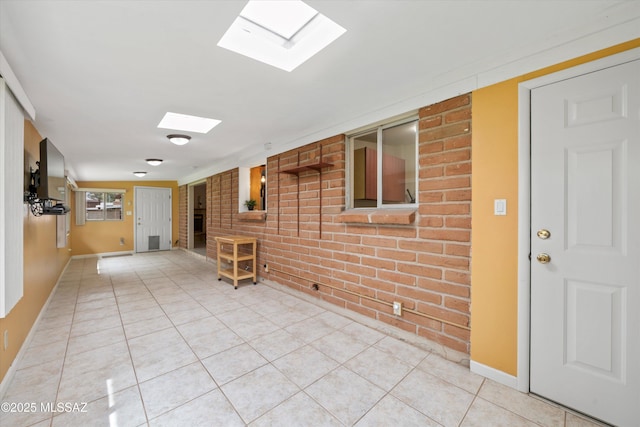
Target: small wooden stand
x,y
224,256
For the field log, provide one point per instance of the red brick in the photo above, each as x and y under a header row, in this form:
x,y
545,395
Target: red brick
x,y
431,172
362,310
379,263
462,141
445,183
458,250
431,221
361,270
379,284
396,255
345,296
454,129
457,304
457,116
399,278
431,196
445,158
460,333
458,277
446,341
444,314
398,322
393,216
443,261
430,122
446,209
458,222
385,242
420,270
449,104
419,294
446,235
422,321
443,287
457,195
431,147
420,246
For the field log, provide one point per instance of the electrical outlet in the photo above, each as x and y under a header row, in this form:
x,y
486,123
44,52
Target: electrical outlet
x,y
397,308
6,339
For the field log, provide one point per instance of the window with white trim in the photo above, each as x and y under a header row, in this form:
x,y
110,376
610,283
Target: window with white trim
x,y
105,206
389,180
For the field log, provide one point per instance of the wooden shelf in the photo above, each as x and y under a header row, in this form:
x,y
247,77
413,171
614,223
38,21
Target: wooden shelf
x,y
295,170
230,257
315,165
228,272
228,261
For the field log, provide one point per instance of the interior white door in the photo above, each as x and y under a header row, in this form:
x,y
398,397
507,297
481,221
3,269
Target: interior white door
x,y
585,243
153,219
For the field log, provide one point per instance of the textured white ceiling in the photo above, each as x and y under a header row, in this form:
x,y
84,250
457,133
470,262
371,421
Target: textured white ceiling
x,y
101,74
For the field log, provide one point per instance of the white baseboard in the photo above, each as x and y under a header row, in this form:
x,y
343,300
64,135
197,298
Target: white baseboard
x,y
494,374
25,345
103,255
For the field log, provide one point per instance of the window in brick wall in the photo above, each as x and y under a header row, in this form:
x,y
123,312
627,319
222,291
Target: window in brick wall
x,y
103,206
390,179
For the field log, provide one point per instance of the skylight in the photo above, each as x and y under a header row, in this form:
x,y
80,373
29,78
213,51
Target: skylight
x,y
187,123
284,18
283,34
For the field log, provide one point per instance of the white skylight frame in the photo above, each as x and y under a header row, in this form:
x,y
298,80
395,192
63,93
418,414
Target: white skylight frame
x,y
264,37
187,123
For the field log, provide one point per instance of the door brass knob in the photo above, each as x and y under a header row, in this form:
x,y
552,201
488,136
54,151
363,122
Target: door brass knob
x,y
543,234
543,258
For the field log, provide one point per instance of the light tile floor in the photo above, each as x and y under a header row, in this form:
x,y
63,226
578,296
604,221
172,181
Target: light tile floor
x,y
155,340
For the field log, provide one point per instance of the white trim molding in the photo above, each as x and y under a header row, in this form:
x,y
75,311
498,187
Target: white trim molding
x,y
494,374
524,198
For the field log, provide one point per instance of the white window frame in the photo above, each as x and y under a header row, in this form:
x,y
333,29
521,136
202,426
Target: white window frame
x,y
104,212
379,128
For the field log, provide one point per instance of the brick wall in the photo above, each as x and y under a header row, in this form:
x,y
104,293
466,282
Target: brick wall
x,y
183,218
418,257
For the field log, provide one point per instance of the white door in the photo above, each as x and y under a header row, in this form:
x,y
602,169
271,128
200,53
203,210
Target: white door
x,y
153,219
585,192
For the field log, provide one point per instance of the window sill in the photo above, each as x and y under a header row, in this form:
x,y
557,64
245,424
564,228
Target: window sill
x,y
378,216
252,216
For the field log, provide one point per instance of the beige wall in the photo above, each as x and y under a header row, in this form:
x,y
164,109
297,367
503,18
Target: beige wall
x,y
96,237
43,264
494,286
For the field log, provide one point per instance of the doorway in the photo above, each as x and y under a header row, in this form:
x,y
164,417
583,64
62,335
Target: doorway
x,y
585,241
198,218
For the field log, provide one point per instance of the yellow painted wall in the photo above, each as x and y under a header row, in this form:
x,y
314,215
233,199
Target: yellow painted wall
x,y
96,237
495,238
43,264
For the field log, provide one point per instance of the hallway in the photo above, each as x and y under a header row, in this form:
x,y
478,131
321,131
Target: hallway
x,y
154,339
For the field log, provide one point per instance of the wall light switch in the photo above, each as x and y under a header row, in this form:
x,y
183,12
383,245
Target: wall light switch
x,y
129,213
500,207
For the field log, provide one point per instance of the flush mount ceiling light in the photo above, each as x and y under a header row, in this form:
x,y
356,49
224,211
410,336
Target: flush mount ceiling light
x,y
154,162
179,139
139,174
187,123
283,34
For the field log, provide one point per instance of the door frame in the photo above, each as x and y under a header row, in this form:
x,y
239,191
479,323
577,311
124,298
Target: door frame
x,y
524,198
135,213
191,205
